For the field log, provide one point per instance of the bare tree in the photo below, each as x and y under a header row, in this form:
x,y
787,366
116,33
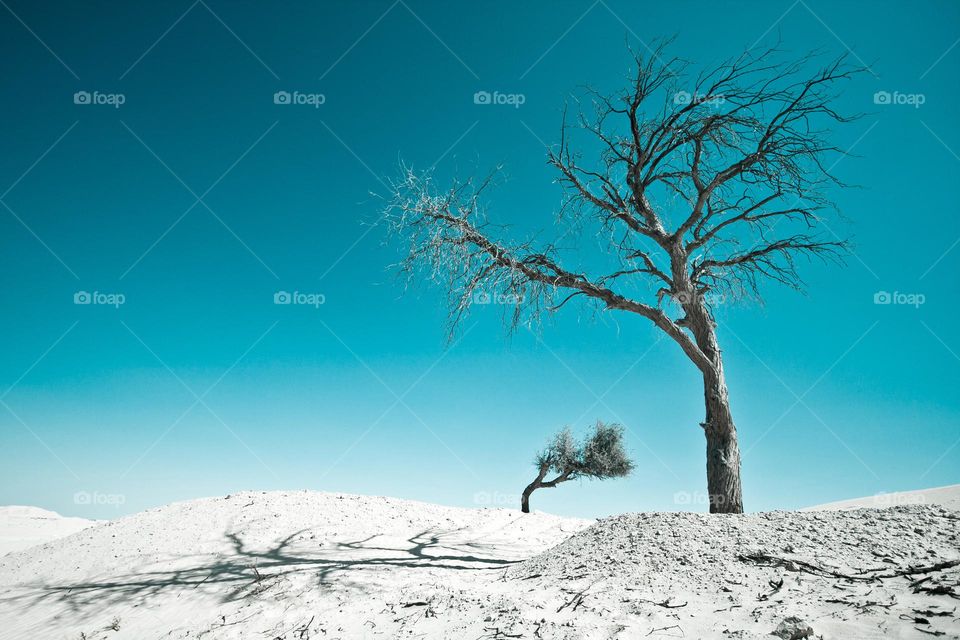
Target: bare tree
x,y
600,456
703,185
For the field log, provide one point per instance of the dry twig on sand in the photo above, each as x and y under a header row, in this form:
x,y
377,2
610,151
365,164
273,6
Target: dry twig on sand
x,y
775,585
673,626
666,604
866,575
576,600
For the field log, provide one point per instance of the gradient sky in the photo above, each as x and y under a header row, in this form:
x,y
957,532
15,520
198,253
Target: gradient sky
x,y
199,385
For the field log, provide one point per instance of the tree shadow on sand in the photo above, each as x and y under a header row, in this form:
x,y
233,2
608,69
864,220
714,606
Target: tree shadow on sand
x,y
245,572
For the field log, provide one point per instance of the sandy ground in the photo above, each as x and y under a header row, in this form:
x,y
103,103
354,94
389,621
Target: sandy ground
x,y
944,496
24,527
702,576
265,565
300,565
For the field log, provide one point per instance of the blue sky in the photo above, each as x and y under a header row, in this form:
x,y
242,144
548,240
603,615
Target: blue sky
x,y
198,198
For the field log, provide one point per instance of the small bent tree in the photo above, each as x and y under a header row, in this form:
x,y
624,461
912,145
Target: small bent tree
x,y
701,187
600,456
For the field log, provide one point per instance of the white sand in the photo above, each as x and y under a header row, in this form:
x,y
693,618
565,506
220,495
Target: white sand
x,y
300,565
23,527
945,496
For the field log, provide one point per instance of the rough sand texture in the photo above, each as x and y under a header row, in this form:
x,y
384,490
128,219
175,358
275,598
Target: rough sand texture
x,y
741,576
300,565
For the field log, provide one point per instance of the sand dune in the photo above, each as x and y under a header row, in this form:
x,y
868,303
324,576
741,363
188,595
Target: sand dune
x,y
300,565
24,527
944,496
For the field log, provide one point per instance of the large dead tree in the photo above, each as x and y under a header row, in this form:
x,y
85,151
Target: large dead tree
x,y
700,187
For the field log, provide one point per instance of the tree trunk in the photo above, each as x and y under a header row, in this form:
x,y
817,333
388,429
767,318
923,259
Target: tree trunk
x,y
525,497
723,453
533,486
540,482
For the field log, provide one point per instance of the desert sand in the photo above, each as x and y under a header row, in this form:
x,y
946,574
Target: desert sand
x,y
23,527
299,565
944,496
